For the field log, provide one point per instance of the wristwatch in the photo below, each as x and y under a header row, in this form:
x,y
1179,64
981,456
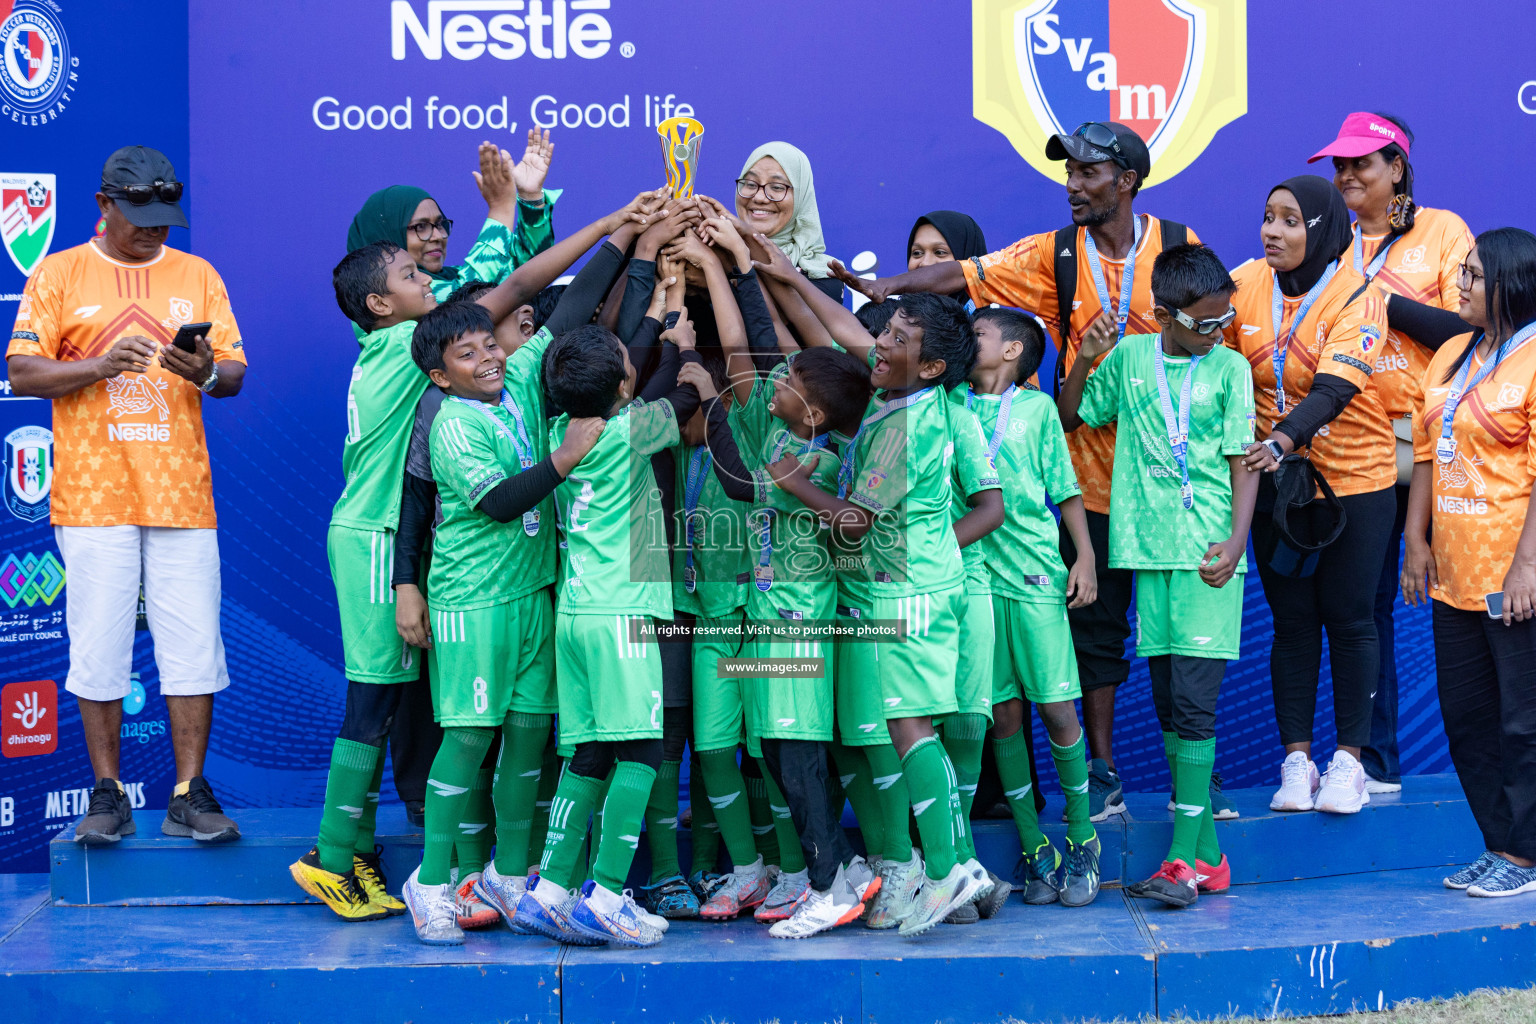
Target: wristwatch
x,y
207,386
1275,449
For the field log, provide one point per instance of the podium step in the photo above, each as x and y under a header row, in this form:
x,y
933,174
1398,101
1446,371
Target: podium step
x,y
1427,825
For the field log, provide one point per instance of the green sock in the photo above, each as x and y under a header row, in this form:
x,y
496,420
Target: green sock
x,y
448,785
791,855
623,811
595,835
1072,767
661,822
549,781
727,802
935,801
353,766
569,809
854,774
763,835
473,844
1170,745
963,737
366,824
1191,796
515,787
892,799
1012,753
706,830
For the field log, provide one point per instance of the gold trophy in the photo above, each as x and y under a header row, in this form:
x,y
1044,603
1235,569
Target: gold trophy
x,y
680,138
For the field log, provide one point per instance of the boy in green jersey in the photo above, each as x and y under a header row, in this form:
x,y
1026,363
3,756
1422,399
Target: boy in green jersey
x,y
784,423
1179,515
897,479
1033,658
614,582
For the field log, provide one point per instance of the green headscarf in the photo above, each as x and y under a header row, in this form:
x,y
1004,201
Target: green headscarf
x,y
385,217
801,238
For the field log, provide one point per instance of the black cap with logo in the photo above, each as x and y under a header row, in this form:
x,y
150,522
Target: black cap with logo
x,y
143,184
1094,142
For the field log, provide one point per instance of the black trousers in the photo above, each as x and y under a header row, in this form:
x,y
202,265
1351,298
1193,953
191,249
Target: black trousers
x,y
1486,675
799,767
1339,597
1184,691
1100,630
414,738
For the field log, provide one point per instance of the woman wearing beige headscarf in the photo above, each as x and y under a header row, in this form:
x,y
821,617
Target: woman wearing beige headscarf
x,y
776,195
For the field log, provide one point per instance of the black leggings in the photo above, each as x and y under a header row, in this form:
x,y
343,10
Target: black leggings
x,y
1340,597
1184,691
799,767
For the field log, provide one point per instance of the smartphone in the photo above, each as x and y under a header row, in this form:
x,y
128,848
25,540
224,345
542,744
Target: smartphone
x,y
186,338
1495,603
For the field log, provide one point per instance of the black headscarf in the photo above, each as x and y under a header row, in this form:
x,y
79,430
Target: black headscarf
x,y
961,232
1328,230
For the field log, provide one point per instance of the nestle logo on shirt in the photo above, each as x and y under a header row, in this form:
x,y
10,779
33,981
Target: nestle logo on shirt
x,y
138,432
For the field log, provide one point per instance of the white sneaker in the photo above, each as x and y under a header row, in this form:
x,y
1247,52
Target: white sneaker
x,y
432,912
1298,784
820,911
656,921
973,866
501,893
862,878
1377,786
938,898
898,892
1343,789
603,911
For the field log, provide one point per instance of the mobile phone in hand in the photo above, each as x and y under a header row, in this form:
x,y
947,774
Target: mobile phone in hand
x,y
186,338
1495,603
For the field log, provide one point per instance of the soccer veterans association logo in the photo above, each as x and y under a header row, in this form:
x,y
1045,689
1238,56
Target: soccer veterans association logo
x,y
37,71
29,472
1176,71
27,217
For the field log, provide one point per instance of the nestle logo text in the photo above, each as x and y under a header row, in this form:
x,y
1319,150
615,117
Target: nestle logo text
x,y
504,29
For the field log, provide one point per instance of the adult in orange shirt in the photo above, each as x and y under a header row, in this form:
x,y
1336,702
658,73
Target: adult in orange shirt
x,y
1309,326
1412,254
1108,245
133,495
1471,536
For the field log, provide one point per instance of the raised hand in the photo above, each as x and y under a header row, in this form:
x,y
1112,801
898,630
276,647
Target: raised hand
x,y
638,210
530,171
698,376
678,217
874,291
1099,338
494,179
777,266
690,248
681,333
722,234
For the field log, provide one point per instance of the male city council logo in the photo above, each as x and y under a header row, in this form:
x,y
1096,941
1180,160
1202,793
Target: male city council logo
x,y
27,218
37,71
1175,71
29,472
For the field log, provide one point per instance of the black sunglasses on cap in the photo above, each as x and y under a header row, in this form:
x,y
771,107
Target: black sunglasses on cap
x,y
143,195
1102,136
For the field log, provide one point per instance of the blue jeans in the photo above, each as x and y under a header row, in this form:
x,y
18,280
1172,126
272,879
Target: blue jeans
x,y
1380,756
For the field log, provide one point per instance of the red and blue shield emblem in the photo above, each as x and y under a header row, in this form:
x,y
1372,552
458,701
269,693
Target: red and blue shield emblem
x,y
1173,70
29,472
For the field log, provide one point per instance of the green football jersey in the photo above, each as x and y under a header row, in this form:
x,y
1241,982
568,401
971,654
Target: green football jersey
x,y
1149,527
967,482
612,535
787,545
718,565
381,407
1023,556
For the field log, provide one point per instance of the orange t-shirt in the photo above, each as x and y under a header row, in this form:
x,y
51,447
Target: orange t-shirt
x,y
1479,497
1024,276
130,450
1356,452
1423,266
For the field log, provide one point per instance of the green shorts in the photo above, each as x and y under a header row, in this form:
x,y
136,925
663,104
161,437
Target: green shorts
x,y
361,564
1177,613
917,674
1032,653
973,676
487,662
791,707
609,685
718,709
856,686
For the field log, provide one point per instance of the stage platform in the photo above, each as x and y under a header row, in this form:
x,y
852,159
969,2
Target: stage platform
x,y
1332,914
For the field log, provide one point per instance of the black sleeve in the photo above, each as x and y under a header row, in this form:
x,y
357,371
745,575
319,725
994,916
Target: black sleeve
x,y
1328,397
1430,326
518,494
660,383
831,286
644,349
684,397
580,298
754,313
637,296
734,476
418,505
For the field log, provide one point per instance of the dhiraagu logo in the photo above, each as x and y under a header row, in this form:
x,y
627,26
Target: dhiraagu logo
x,y
1175,71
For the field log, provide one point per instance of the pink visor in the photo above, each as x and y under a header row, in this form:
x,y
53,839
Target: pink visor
x,y
1363,133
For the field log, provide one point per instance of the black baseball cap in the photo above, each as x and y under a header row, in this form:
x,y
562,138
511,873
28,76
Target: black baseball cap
x,y
140,165
1132,155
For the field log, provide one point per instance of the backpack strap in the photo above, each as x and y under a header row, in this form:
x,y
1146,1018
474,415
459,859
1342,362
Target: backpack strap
x,y
1174,234
1065,256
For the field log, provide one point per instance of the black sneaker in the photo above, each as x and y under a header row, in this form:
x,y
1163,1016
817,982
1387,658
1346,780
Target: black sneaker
x,y
197,814
416,813
108,818
965,913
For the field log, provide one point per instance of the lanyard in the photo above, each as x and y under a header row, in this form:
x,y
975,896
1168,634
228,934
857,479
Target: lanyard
x,y
1445,448
1127,281
1004,410
518,440
763,574
845,471
1177,426
698,470
1377,262
1283,345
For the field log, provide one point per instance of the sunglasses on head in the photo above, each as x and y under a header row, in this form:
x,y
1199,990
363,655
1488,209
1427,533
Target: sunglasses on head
x,y
143,195
1101,136
1210,326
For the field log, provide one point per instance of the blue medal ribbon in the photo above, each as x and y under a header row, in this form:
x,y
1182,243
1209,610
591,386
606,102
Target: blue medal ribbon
x,y
1177,424
693,487
1445,447
519,441
1004,412
1283,345
1377,262
1127,281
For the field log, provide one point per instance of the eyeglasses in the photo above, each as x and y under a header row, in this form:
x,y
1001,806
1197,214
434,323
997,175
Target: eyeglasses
x,y
1210,326
143,195
425,229
1464,272
775,191
1101,136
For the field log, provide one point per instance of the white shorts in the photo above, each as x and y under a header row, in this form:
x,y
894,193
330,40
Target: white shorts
x,y
103,566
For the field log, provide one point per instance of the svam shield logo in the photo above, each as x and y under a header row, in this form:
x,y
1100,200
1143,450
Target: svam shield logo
x,y
29,472
1176,71
27,218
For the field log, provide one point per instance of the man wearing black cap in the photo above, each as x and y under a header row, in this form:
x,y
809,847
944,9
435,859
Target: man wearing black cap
x,y
132,495
1072,279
